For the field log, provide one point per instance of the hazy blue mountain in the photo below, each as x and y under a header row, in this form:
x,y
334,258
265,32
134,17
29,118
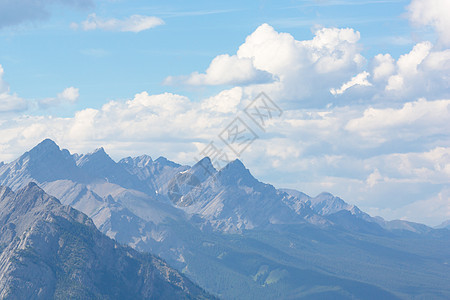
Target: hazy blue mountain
x,y
98,164
342,214
45,162
156,174
240,238
232,200
48,250
445,224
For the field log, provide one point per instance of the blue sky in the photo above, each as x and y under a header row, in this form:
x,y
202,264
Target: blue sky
x,y
42,57
364,86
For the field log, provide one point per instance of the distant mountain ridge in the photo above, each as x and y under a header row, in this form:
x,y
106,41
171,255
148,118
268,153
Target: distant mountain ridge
x,y
202,221
48,250
445,224
48,163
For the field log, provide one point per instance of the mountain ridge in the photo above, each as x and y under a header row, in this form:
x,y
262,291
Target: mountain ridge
x,y
201,220
53,251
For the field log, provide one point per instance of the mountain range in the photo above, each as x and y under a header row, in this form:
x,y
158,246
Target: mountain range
x,y
52,251
239,238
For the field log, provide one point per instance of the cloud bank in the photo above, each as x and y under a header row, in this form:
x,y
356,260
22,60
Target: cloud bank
x,y
434,13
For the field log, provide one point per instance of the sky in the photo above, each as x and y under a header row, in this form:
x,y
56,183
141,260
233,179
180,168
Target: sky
x,y
358,91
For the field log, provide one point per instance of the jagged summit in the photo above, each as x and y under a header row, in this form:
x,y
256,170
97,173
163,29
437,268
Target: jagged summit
x,y
99,150
33,196
205,161
99,156
33,186
325,195
46,144
236,172
236,164
203,169
97,163
45,162
165,162
326,204
139,161
45,149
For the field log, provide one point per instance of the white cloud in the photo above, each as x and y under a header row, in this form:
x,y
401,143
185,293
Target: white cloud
x,y
68,95
407,66
432,210
284,67
335,149
226,70
384,66
134,23
302,73
414,120
226,101
374,178
434,13
306,70
9,102
423,72
360,79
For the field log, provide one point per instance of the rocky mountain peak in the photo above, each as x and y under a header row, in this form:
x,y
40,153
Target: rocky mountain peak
x,y
203,169
162,162
45,162
137,162
47,150
236,173
99,156
45,145
55,251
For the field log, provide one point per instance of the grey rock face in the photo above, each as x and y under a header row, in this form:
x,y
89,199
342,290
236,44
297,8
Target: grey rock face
x,y
49,250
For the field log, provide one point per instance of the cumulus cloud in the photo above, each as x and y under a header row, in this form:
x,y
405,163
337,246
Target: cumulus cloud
x,y
134,23
225,70
335,149
412,121
384,66
422,72
284,67
148,120
9,102
308,73
226,101
360,79
407,66
434,13
68,95
14,12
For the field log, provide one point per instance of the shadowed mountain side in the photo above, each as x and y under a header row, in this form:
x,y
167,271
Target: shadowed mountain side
x,y
53,251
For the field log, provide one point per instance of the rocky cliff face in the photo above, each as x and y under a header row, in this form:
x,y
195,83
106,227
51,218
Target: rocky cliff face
x,y
49,250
